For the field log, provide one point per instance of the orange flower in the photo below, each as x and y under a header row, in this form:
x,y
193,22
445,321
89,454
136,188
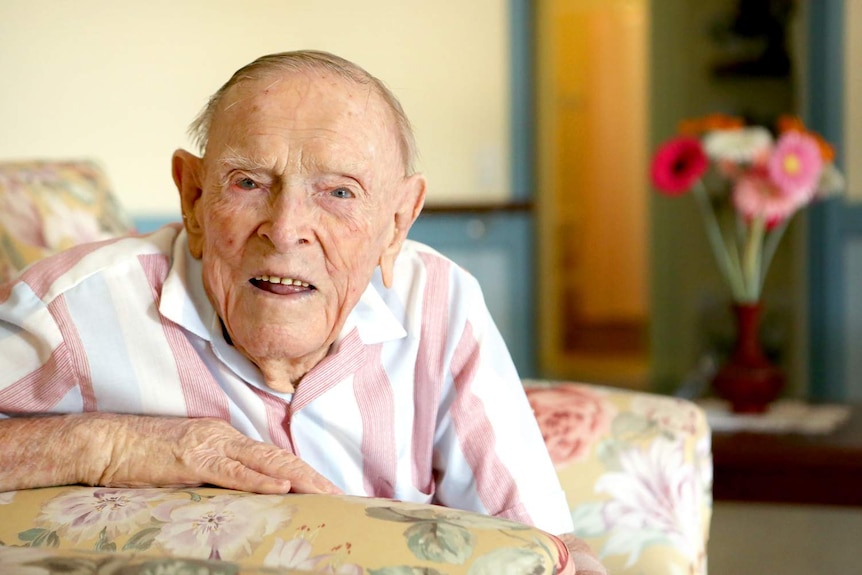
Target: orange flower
x,y
697,126
827,152
789,123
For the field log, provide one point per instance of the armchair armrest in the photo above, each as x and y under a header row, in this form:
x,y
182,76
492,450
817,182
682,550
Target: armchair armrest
x,y
212,530
637,471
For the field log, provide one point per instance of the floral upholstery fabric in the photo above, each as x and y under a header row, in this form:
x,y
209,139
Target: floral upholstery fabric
x,y
637,471
209,530
48,206
43,561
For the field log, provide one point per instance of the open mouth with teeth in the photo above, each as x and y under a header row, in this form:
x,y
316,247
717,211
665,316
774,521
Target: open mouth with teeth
x,y
281,286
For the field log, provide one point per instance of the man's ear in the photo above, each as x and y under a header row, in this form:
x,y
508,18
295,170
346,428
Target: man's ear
x,y
187,171
409,199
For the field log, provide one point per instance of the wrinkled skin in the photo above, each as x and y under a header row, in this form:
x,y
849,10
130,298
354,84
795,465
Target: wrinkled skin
x,y
303,178
138,451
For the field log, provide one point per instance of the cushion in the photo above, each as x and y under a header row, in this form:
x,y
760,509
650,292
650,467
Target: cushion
x,y
48,206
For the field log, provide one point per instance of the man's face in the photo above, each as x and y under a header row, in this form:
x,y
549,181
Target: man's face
x,y
300,190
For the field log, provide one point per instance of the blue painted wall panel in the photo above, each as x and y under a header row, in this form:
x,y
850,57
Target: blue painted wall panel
x,y
498,250
826,221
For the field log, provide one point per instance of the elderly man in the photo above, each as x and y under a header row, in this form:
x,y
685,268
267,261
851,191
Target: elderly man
x,y
286,337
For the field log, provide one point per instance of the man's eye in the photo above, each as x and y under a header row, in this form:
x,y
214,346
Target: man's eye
x,y
342,193
245,183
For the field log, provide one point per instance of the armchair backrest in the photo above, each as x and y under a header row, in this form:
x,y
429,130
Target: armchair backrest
x,y
47,206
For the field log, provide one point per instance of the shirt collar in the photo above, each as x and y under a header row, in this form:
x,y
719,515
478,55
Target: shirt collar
x,y
372,317
184,300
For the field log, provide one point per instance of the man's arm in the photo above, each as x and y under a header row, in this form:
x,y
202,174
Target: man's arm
x,y
139,451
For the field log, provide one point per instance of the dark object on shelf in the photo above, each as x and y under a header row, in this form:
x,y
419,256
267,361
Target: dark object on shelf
x,y
754,40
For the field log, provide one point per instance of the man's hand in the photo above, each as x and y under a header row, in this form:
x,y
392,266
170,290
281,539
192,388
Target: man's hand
x,y
139,451
583,557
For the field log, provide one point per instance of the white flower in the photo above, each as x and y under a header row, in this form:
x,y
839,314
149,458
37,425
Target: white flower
x,y
344,569
81,514
742,145
222,527
657,493
831,182
296,554
703,465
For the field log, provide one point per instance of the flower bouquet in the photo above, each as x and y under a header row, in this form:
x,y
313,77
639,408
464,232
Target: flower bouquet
x,y
748,184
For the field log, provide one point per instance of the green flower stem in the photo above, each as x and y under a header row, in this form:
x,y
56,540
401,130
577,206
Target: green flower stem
x,y
732,242
740,227
751,259
731,272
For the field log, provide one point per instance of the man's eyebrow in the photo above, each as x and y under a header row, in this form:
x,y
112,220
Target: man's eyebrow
x,y
233,159
353,169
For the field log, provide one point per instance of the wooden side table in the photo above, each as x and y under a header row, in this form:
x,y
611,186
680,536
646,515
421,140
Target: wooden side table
x,y
789,467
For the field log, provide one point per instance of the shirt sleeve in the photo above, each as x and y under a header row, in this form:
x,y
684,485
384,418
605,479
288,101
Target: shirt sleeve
x,y
490,456
36,370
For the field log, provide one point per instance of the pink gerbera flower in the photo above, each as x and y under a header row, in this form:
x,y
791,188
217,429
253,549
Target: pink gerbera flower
x,y
755,194
795,165
677,165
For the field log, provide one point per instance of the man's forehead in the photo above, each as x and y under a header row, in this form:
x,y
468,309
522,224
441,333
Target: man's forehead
x,y
316,89
333,115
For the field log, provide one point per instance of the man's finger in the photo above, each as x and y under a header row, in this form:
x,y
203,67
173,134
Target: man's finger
x,y
232,474
277,463
305,479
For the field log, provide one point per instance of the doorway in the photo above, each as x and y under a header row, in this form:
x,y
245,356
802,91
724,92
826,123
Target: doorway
x,y
593,199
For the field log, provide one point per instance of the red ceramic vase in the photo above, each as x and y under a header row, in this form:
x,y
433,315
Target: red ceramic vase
x,y
748,380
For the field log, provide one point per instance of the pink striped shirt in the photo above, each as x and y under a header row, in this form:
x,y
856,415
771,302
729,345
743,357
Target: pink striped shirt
x,y
418,399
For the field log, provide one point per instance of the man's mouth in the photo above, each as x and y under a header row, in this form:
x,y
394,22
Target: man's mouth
x,y
281,286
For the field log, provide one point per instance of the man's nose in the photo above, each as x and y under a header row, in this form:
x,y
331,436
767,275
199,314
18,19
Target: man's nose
x,y
288,220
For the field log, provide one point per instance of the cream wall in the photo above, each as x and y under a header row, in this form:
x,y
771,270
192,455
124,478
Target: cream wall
x,y
120,81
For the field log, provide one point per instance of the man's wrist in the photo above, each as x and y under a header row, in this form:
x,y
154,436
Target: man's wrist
x,y
92,438
47,450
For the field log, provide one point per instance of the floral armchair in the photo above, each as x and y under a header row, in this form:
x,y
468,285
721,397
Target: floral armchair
x,y
637,471
636,468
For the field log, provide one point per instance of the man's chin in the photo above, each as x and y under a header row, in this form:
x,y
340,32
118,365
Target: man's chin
x,y
270,344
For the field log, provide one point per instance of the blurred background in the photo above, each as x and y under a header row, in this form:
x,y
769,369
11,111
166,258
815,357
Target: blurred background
x,y
536,121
